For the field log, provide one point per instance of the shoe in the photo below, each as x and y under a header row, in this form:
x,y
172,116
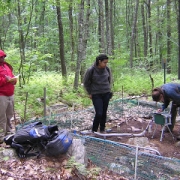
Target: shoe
x,y
102,132
1,140
178,138
9,132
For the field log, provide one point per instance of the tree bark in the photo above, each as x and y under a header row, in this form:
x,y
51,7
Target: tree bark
x,y
82,39
111,26
144,31
133,33
168,37
101,27
61,39
178,20
71,30
108,30
80,43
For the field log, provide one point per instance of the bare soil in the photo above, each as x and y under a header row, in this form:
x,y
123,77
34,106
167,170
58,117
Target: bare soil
x,y
167,147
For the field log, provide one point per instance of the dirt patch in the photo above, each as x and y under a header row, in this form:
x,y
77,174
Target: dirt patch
x,y
167,147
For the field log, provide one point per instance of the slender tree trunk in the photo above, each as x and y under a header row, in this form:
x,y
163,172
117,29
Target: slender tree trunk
x,y
144,31
42,18
61,39
82,39
108,30
168,37
149,26
158,37
80,43
101,27
21,44
71,29
112,26
178,19
86,36
133,33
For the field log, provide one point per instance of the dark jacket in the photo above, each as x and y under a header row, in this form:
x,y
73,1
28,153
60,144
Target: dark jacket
x,y
97,81
171,93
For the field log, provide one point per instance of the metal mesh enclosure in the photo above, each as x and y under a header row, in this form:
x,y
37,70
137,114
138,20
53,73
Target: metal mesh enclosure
x,y
129,161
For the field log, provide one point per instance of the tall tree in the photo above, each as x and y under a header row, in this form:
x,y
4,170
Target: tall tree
x,y
168,36
149,29
108,30
111,20
132,42
83,28
23,34
71,23
61,39
178,20
144,30
101,26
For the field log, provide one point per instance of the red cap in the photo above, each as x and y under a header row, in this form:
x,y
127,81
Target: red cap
x,y
2,53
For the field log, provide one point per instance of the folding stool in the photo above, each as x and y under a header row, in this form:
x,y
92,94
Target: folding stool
x,y
163,119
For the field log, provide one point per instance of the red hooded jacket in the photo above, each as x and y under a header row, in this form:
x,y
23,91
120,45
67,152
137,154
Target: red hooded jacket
x,y
6,88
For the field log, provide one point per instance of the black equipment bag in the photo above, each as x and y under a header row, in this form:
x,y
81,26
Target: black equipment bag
x,y
59,143
33,138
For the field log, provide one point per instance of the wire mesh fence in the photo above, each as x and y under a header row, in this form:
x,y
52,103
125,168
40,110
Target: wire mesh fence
x,y
129,161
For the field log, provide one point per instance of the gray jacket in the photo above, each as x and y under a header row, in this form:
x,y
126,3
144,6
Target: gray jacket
x,y
97,81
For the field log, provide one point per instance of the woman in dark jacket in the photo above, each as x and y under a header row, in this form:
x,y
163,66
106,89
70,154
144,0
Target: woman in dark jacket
x,y
167,93
97,83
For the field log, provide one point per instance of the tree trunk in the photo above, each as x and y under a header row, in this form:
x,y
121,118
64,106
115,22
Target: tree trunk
x,y
159,37
168,37
150,33
108,30
112,26
61,40
71,29
82,40
144,31
133,33
178,20
80,43
101,27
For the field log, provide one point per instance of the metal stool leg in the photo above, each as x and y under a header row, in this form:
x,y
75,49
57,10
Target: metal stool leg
x,y
162,133
170,132
154,131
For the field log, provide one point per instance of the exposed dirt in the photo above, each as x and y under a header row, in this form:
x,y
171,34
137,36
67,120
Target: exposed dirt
x,y
167,147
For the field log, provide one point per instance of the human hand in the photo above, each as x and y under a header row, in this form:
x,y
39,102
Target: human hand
x,y
90,96
12,80
7,78
159,110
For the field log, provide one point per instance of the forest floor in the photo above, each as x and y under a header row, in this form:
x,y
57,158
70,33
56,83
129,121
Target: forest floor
x,y
59,168
168,147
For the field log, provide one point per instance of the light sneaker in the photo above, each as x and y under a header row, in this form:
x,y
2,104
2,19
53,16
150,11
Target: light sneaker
x,y
9,132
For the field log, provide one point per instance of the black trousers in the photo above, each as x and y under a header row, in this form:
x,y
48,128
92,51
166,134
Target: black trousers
x,y
174,108
100,102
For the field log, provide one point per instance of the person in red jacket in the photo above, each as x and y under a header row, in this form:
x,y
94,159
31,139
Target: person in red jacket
x,y
7,87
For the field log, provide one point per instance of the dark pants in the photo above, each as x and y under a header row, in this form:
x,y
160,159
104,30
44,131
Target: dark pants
x,y
100,102
174,108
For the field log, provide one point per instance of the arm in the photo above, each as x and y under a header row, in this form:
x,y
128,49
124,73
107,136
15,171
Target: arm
x,y
171,93
88,80
3,80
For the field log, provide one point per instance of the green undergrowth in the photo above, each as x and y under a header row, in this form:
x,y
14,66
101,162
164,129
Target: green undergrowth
x,y
30,98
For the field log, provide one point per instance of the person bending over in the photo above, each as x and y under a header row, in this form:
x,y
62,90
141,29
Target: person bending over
x,y
167,93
